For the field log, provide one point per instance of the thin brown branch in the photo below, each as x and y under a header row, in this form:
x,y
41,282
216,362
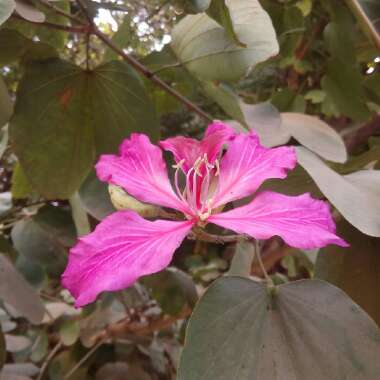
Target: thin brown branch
x,y
61,11
364,22
150,75
84,358
143,69
48,359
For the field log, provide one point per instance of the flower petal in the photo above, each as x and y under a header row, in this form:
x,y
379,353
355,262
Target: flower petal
x,y
141,171
247,164
301,221
217,134
122,248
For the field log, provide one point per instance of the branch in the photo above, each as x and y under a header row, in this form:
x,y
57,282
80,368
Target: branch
x,y
143,69
60,11
364,22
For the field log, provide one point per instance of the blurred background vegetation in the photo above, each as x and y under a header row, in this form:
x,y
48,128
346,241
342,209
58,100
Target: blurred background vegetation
x,y
328,66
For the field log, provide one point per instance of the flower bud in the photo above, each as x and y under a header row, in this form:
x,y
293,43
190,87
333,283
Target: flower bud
x,y
123,201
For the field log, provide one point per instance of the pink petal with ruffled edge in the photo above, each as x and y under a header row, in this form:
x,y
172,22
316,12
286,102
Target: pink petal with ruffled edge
x,y
122,248
301,221
217,134
247,164
141,171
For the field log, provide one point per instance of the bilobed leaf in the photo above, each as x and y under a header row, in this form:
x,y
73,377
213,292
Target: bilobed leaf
x,y
219,11
202,45
316,135
353,197
15,291
6,9
302,330
6,105
356,269
76,115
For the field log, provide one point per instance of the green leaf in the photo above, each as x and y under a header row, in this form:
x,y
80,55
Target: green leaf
x,y
45,238
354,195
340,42
15,291
120,39
219,11
6,105
202,45
173,289
354,269
6,9
95,198
21,188
82,224
302,330
226,98
12,45
75,115
342,83
242,260
69,332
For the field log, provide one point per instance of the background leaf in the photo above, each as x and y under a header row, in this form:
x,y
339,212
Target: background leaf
x,y
354,199
304,319
6,9
77,115
209,54
15,291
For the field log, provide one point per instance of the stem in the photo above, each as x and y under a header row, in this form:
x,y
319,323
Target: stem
x,y
60,11
268,280
202,235
45,364
364,21
153,77
143,69
85,357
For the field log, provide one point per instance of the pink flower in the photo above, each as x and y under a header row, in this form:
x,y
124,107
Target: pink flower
x,y
124,246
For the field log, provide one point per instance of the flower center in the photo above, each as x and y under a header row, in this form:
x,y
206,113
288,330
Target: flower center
x,y
199,186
